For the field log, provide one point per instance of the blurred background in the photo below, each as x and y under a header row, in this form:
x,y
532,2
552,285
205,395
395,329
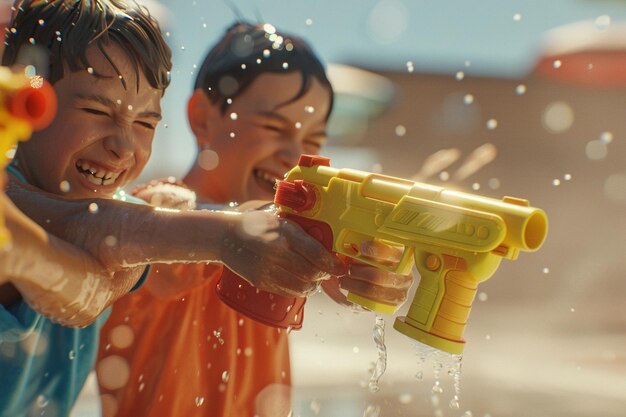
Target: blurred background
x,y
522,98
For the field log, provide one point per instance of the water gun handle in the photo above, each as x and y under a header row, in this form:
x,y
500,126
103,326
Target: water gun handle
x,y
442,303
262,306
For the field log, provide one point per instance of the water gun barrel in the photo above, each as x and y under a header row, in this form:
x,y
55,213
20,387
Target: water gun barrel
x,y
26,104
34,105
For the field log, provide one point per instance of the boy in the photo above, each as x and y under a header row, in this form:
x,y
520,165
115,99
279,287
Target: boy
x,y
109,66
261,99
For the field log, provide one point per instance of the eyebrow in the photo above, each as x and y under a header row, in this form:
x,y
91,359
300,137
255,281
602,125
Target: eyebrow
x,y
275,116
105,101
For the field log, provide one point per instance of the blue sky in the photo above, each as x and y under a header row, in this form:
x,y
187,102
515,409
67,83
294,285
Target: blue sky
x,y
481,37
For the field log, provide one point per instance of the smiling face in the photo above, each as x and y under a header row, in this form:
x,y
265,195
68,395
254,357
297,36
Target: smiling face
x,y
101,138
259,137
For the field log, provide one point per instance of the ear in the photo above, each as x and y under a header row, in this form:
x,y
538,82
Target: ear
x,y
200,114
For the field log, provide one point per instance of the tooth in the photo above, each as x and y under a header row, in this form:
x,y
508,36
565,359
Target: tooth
x,y
108,182
85,166
94,180
99,174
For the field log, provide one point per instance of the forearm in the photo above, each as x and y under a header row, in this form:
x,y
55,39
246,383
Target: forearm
x,y
55,278
121,234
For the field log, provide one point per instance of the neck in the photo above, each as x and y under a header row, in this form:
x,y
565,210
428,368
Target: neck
x,y
198,181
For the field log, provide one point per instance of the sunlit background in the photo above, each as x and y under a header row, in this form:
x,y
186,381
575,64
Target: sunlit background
x,y
522,98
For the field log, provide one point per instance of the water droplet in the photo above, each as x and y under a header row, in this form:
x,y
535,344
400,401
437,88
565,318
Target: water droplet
x,y
606,137
130,107
93,208
454,403
444,175
573,310
419,375
475,186
558,117
31,40
596,150
64,186
208,159
557,64
71,354
567,177
42,401
556,182
243,66
517,17
225,376
233,116
141,386
309,109
494,183
355,349
199,401
459,75
603,22
409,66
492,124
482,296
405,398
520,89
41,22
266,53
285,65
400,130
468,99
298,125
182,48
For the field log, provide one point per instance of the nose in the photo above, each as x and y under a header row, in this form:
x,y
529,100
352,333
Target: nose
x,y
121,144
290,153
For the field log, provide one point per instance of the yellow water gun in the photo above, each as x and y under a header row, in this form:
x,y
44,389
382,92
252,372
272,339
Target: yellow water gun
x,y
455,239
26,104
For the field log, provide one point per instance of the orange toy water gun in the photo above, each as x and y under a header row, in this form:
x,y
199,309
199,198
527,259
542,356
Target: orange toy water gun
x,y
26,104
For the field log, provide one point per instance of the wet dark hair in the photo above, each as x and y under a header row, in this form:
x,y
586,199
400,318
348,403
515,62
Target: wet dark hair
x,y
247,51
63,30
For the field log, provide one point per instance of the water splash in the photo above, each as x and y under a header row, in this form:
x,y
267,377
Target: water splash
x,y
381,362
441,361
371,411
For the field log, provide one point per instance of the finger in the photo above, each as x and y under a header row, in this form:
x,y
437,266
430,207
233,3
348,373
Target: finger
x,y
381,252
380,277
316,253
392,296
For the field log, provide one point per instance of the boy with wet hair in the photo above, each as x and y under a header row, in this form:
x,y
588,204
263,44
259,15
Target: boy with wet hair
x,y
109,67
261,98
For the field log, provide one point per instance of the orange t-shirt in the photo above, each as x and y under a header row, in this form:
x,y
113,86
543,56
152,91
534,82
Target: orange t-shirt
x,y
189,356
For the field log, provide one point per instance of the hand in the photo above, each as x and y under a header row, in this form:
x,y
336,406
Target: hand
x,y
277,255
166,194
370,282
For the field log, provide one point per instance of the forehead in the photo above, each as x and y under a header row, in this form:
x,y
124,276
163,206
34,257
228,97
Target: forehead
x,y
118,64
270,92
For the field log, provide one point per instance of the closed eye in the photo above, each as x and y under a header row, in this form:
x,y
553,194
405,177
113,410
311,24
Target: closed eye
x,y
94,111
273,128
146,125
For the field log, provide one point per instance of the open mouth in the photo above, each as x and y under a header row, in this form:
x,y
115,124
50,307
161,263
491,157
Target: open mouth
x,y
266,180
96,174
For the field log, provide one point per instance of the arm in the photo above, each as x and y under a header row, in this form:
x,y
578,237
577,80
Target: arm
x,y
273,254
54,277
